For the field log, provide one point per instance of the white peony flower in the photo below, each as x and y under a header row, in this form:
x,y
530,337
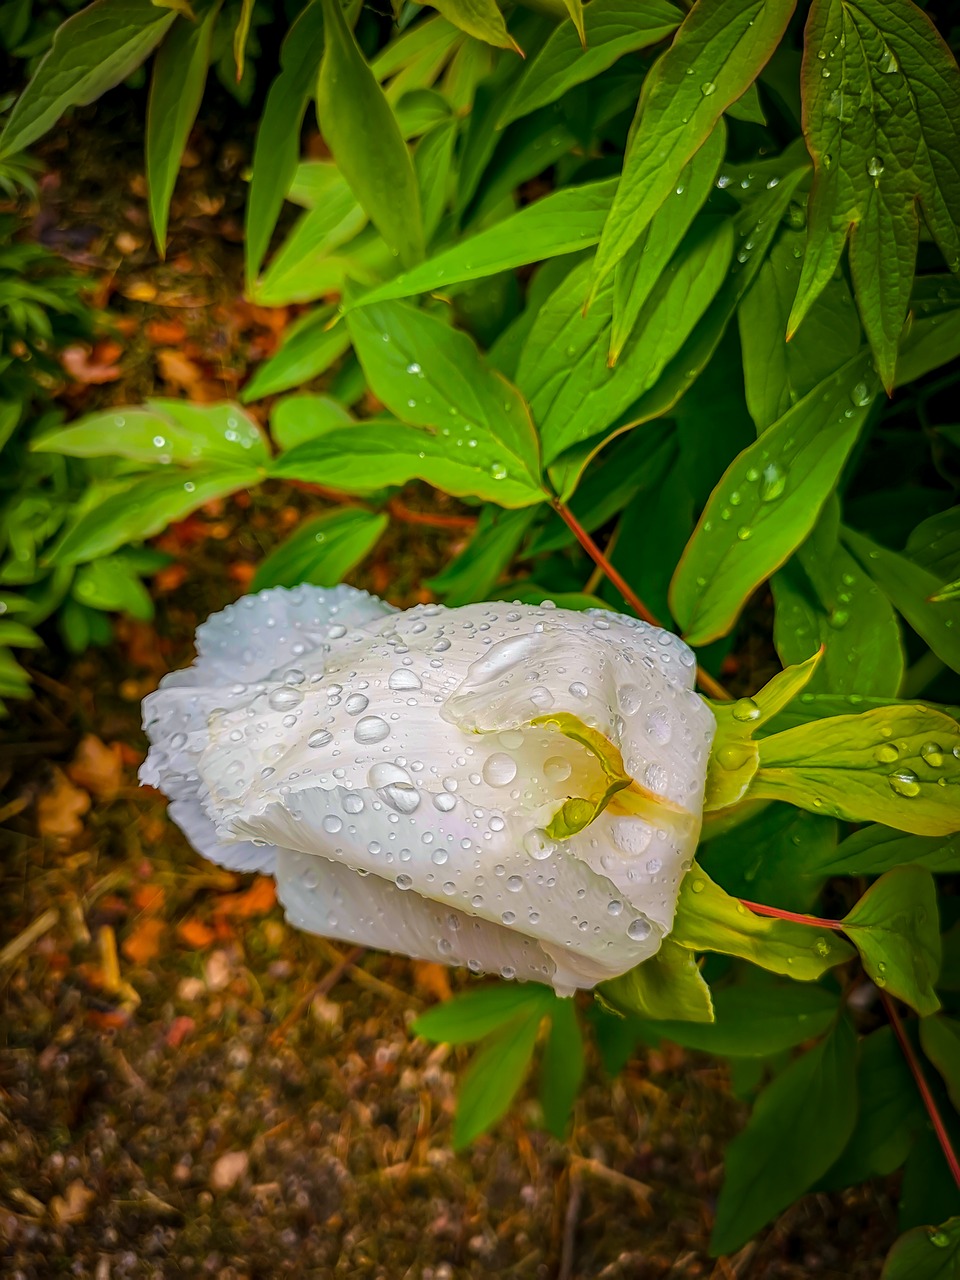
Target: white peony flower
x,y
513,788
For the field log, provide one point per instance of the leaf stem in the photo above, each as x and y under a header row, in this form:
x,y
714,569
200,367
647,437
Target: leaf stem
x,y
704,679
815,922
923,1088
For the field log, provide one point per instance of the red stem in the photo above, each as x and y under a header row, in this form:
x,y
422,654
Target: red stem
x,y
815,922
923,1088
704,679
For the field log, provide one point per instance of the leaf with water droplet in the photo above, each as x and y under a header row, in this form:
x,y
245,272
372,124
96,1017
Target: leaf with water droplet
x,y
894,154
925,1253
895,928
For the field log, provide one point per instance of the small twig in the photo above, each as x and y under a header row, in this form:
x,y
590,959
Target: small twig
x,y
15,948
432,519
574,1199
923,1088
704,679
314,989
580,1164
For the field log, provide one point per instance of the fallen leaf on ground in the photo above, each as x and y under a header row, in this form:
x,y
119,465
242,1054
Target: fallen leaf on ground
x,y
257,901
97,767
432,979
178,370
166,332
179,1029
73,1206
149,898
143,944
196,934
61,807
91,367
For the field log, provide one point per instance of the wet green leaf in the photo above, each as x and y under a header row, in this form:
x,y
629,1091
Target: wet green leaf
x,y
362,132
895,928
111,585
875,849
322,551
309,348
474,573
612,28
91,52
774,856
277,147
564,222
668,985
296,419
708,919
768,501
176,87
894,765
714,57
882,120
799,1125
433,376
925,1253
494,1077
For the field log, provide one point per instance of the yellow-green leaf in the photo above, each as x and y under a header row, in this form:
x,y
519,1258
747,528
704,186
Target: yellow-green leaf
x,y
667,987
478,18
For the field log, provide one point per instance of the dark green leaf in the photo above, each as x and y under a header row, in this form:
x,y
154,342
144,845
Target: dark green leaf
x,y
875,849
478,568
799,1126
364,137
775,856
940,1039
932,337
176,87
768,501
431,375
277,147
562,1067
309,348
612,27
895,928
91,52
322,551
925,1253
882,121
715,56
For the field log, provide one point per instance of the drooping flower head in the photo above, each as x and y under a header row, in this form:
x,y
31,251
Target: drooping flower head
x,y
513,788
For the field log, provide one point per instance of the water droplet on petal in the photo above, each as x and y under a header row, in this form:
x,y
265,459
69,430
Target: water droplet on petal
x,y
285,699
639,929
403,680
371,729
499,770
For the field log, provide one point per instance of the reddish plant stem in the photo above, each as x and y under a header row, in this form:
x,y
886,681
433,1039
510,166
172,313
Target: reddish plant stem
x,y
815,922
923,1088
704,679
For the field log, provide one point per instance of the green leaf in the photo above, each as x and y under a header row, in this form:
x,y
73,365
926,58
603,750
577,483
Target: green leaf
x,y
474,573
364,137
935,543
823,598
91,52
16,635
755,1020
146,508
431,375
932,338
875,849
176,87
433,163
893,765
637,274
309,348
755,224
882,121
894,927
563,222
888,1118
708,919
748,107
164,432
768,501
612,27
563,368
800,1124
774,856
326,269
110,585
376,454
910,589
940,1041
575,10
277,148
322,551
476,1014
925,1253
561,1067
334,221
240,35
478,18
493,1079
778,373
296,419
714,57
668,985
